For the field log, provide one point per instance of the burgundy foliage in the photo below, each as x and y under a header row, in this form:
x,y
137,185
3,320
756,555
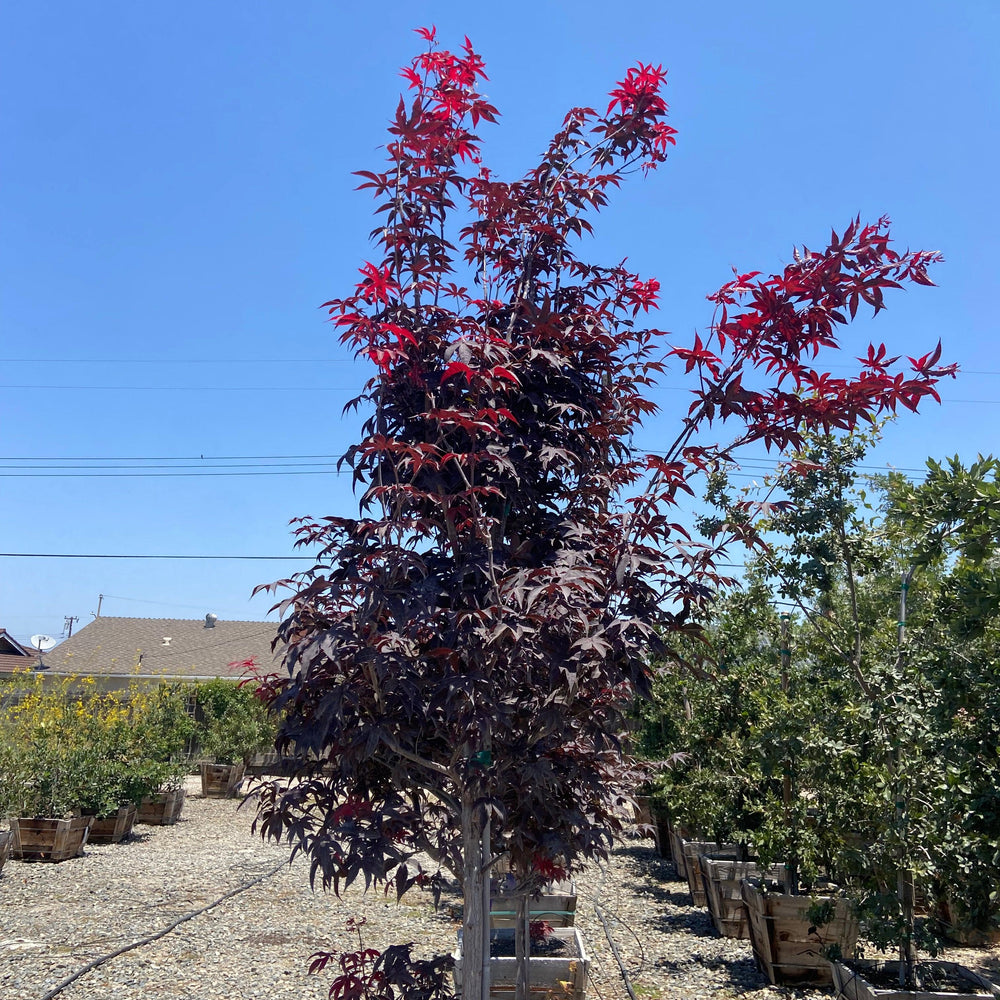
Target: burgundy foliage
x,y
370,974
474,635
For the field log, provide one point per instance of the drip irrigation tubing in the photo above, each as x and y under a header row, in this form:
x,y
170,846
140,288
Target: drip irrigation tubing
x,y
614,951
149,939
599,910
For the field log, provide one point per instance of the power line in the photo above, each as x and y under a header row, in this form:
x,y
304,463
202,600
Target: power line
x,y
162,475
157,458
310,388
174,361
240,465
105,555
288,361
188,388
78,555
166,604
208,460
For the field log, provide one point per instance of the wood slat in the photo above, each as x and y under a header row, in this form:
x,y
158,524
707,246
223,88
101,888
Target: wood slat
x,y
785,949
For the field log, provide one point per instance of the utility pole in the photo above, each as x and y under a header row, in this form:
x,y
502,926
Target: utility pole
x,y
68,621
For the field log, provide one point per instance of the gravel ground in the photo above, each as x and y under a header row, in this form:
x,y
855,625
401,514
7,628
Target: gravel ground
x,y
55,919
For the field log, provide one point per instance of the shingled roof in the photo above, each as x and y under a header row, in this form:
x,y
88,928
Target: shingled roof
x,y
14,656
164,647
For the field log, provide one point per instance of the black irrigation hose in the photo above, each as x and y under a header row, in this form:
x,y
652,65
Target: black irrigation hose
x,y
614,951
97,962
598,909
642,951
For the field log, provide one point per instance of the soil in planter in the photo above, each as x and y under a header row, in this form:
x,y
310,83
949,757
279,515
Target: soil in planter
x,y
930,979
503,947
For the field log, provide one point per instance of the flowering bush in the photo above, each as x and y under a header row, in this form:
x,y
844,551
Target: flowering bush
x,y
67,748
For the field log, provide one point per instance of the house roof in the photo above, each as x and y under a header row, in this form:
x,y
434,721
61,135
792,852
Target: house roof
x,y
14,656
9,646
115,647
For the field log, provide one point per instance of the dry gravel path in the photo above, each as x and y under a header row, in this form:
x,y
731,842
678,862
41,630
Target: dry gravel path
x,y
55,919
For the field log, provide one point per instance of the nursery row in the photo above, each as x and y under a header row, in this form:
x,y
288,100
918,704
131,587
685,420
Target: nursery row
x,y
803,940
835,721
78,763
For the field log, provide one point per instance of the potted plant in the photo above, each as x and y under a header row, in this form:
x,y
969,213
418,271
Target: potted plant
x,y
700,721
46,770
554,903
167,730
236,726
872,980
920,663
559,967
461,658
755,763
163,806
124,769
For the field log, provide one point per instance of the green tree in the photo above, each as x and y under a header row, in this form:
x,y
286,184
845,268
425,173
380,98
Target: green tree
x,y
895,598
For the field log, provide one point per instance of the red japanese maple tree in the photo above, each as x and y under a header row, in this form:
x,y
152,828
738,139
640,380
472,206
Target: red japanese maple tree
x,y
460,658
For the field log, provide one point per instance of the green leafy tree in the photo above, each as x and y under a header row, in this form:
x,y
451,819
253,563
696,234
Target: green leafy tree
x,y
890,598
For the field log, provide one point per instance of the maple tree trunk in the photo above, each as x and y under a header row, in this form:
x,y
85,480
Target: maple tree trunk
x,y
475,917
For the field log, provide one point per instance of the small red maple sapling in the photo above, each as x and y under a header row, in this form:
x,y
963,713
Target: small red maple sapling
x,y
462,655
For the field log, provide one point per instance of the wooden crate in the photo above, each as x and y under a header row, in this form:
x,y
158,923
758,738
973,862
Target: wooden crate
x,y
556,904
561,978
661,834
643,811
693,851
271,763
115,828
677,837
851,984
788,949
221,780
44,839
723,890
962,933
161,809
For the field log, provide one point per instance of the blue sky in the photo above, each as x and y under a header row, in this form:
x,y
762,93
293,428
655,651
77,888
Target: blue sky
x,y
176,201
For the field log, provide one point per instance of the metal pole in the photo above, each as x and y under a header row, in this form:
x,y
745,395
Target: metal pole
x,y
904,874
792,864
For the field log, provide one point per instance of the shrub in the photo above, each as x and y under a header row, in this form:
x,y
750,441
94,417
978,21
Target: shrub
x,y
236,723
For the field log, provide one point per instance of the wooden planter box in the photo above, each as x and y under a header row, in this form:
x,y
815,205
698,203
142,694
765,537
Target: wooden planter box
x,y
43,839
643,811
785,948
661,835
272,764
556,904
221,780
161,809
850,983
4,847
956,930
678,836
693,851
114,828
724,891
563,977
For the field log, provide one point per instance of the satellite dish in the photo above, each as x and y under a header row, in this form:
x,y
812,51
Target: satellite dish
x,y
43,643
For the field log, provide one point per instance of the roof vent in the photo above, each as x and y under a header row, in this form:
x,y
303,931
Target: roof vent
x,y
166,640
210,620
